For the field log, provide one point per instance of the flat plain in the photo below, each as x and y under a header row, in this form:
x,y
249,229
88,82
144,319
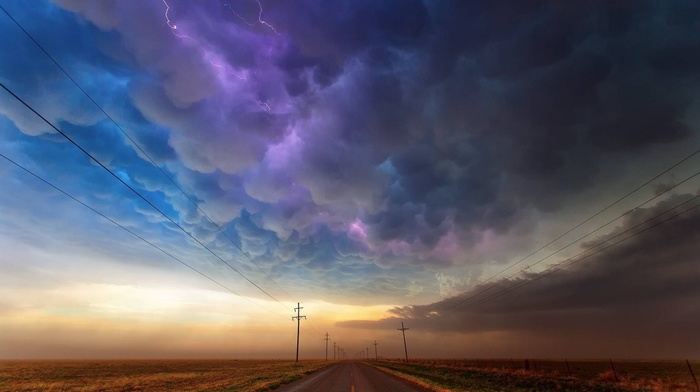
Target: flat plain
x,y
152,375
441,375
546,375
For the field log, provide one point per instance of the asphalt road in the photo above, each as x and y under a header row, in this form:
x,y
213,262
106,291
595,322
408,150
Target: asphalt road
x,y
350,376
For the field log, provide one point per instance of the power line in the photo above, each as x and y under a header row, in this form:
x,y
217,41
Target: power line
x,y
314,328
298,317
446,306
403,331
134,233
138,146
571,261
132,189
458,305
574,259
226,235
596,214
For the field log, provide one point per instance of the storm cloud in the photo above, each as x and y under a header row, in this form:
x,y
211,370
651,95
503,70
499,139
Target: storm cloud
x,y
358,141
634,291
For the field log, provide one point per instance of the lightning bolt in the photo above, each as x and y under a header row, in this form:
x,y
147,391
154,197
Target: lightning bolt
x,y
238,15
207,54
260,19
212,62
167,19
263,104
359,229
209,57
173,26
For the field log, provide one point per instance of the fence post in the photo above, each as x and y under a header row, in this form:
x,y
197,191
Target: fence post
x,y
526,363
697,388
534,365
568,369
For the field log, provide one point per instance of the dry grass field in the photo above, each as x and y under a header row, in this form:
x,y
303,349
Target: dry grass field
x,y
152,375
265,375
511,375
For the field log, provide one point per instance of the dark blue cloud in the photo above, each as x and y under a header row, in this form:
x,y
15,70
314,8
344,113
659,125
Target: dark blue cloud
x,y
378,135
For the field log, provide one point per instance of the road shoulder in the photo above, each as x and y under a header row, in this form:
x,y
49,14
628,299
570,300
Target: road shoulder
x,y
415,380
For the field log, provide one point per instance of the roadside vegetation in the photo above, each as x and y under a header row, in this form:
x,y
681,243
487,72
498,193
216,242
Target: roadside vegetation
x,y
152,375
445,376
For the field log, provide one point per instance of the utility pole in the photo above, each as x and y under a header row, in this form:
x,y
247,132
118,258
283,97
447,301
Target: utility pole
x,y
326,339
334,351
403,330
375,350
298,318
367,351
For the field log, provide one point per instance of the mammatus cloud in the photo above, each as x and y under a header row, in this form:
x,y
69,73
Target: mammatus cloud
x,y
358,139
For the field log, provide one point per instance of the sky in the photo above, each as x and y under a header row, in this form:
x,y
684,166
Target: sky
x,y
509,180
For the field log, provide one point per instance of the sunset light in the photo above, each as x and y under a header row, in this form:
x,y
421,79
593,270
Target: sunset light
x,y
200,180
